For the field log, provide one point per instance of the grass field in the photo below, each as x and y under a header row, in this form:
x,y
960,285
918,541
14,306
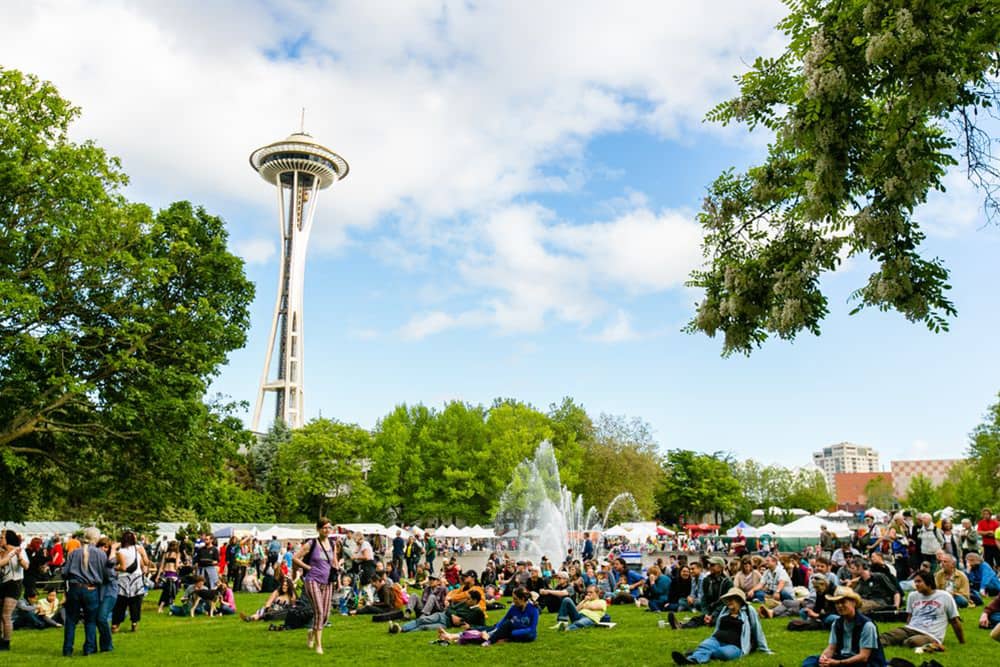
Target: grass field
x,y
165,640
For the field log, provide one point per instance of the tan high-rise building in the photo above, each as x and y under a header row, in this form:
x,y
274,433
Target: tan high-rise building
x,y
844,457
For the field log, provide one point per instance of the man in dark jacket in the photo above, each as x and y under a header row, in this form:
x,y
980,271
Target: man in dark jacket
x,y
713,587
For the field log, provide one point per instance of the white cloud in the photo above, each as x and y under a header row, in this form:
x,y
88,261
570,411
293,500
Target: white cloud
x,y
255,251
436,322
956,211
441,108
618,330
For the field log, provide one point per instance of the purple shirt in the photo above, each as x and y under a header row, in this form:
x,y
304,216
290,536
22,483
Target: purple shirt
x,y
323,555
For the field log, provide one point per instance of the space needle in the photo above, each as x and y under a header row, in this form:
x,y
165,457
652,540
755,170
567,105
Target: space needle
x,y
298,167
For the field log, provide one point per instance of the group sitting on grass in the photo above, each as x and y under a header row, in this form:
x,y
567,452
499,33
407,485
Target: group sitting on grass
x,y
846,590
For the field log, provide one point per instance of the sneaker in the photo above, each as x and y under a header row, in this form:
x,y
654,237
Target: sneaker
x,y
680,658
672,620
394,628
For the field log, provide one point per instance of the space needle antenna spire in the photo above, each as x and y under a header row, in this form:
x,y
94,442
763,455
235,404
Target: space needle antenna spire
x,y
298,167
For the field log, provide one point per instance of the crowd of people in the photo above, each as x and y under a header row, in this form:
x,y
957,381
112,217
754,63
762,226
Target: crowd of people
x,y
906,571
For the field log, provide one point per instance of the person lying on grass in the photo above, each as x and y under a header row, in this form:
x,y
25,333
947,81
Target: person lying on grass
x,y
465,615
519,624
737,633
853,637
586,614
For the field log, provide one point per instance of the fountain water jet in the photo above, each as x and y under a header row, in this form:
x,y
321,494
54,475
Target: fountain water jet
x,y
549,519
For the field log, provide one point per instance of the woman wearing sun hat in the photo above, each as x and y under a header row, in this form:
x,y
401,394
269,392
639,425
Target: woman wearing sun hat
x,y
853,637
737,633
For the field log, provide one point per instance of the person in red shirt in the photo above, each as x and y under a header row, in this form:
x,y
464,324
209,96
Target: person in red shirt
x,y
986,528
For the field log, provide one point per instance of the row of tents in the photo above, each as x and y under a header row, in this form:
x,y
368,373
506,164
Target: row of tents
x,y
805,527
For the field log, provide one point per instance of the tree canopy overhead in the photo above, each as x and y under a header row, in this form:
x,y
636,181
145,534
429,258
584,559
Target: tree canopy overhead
x,y
113,318
870,104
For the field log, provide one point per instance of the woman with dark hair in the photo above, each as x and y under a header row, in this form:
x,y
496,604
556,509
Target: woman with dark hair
x,y
108,595
37,568
168,575
318,557
13,562
131,568
277,605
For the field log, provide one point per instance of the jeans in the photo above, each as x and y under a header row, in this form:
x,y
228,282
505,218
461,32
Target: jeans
x,y
81,602
429,622
569,612
786,594
711,649
658,605
211,574
961,601
994,619
103,622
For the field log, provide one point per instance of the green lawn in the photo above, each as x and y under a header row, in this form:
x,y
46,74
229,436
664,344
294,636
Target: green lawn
x,y
635,641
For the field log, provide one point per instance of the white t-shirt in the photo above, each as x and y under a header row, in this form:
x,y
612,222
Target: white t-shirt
x,y
929,614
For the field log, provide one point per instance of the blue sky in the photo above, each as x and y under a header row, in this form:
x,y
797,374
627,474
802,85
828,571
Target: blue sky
x,y
518,220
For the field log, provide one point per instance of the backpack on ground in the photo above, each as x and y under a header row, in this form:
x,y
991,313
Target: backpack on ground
x,y
299,615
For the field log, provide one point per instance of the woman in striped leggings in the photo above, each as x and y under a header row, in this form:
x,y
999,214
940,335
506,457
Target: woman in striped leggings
x,y
318,558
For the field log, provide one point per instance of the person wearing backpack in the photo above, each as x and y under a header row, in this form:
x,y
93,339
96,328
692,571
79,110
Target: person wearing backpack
x,y
929,539
318,557
854,637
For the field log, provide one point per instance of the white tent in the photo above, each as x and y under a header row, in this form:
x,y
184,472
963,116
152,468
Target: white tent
x,y
448,531
809,526
822,513
616,531
363,528
841,514
281,533
877,514
391,531
757,512
768,528
480,533
798,512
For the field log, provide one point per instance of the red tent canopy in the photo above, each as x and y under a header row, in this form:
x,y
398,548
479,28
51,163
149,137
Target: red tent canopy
x,y
696,528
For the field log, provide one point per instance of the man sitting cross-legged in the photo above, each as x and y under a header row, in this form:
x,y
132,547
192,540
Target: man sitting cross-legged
x,y
928,613
853,638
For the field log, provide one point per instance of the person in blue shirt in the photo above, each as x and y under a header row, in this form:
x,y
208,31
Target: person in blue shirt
x,y
519,624
982,578
657,593
633,579
853,638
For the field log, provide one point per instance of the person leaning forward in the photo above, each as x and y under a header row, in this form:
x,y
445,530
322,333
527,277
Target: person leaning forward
x,y
84,573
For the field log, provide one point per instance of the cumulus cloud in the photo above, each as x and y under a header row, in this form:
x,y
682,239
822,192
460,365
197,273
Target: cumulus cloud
x,y
255,251
618,330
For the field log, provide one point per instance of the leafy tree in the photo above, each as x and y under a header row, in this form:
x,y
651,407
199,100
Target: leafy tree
x,y
622,457
572,431
964,489
879,492
921,494
869,105
762,486
320,469
401,463
808,491
113,319
984,452
264,450
694,484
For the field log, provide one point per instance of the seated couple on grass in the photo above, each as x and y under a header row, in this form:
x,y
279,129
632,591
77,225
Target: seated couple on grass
x,y
519,624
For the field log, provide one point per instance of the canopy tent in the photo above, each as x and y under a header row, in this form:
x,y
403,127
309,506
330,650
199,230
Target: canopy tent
x,y
809,527
477,532
616,531
281,533
877,514
946,512
234,530
798,512
363,528
768,529
757,512
841,514
748,530
31,528
696,529
822,513
448,531
663,530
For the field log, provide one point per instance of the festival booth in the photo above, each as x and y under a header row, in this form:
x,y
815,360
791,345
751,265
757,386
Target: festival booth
x,y
805,531
30,529
748,530
701,529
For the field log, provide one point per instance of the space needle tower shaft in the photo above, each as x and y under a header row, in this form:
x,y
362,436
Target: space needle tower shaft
x,y
298,168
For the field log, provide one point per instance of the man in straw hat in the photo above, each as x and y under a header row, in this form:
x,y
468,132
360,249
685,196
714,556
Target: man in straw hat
x,y
737,633
853,637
